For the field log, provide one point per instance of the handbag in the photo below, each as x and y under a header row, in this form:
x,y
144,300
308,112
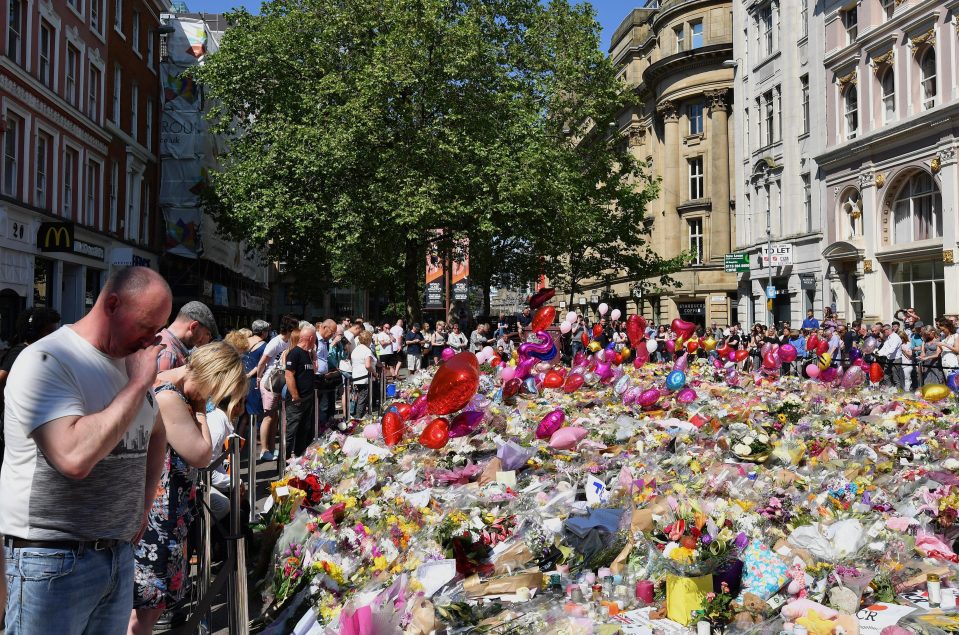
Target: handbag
x,y
275,378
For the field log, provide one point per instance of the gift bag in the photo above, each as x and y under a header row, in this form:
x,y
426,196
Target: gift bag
x,y
685,595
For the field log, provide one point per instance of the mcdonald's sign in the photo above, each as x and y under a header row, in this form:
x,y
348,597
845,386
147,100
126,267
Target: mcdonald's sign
x,y
55,237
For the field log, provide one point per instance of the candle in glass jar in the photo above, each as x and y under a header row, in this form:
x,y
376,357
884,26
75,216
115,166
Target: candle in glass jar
x,y
644,591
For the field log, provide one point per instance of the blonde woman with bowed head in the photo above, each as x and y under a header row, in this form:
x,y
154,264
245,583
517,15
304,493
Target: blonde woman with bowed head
x,y
213,374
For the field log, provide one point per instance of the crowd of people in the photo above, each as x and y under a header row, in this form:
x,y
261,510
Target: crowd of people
x,y
107,422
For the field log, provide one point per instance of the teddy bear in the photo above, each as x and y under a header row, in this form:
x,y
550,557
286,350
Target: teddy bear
x,y
799,581
749,611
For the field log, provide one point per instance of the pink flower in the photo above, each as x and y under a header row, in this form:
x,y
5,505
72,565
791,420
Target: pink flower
x,y
900,523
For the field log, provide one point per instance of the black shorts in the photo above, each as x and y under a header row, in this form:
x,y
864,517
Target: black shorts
x,y
389,359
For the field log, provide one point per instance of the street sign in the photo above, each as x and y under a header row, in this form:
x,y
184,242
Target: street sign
x,y
776,255
807,281
771,292
736,263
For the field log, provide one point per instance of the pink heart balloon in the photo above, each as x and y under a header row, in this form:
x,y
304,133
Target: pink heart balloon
x,y
550,424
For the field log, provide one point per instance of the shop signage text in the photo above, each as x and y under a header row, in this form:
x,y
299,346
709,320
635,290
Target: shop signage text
x,y
776,255
736,263
59,238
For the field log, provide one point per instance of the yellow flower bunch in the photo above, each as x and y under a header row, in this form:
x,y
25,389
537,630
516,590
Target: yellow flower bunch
x,y
331,569
682,555
349,501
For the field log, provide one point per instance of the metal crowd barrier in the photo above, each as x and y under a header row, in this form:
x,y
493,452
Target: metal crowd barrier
x,y
281,457
251,469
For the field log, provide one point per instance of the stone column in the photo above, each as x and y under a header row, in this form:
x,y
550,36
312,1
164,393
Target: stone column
x,y
719,224
949,178
671,179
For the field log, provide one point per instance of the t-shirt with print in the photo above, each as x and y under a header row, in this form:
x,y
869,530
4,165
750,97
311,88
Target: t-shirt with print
x,y
64,375
300,363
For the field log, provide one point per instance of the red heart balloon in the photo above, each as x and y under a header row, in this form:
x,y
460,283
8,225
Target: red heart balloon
x,y
454,384
573,383
543,318
403,410
741,355
597,330
392,428
822,347
618,359
635,330
683,328
540,298
495,361
584,339
512,388
692,346
812,342
553,379
723,350
436,434
875,373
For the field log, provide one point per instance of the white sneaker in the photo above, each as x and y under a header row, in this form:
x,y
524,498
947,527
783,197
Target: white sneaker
x,y
266,455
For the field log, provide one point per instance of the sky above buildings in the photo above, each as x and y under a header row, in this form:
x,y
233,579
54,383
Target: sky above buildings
x,y
609,12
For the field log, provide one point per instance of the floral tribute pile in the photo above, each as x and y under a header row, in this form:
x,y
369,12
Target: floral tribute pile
x,y
615,495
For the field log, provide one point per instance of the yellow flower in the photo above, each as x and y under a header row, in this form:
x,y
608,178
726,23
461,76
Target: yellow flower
x,y
380,563
681,555
373,458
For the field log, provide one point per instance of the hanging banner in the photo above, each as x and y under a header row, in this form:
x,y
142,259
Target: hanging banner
x,y
188,43
182,182
182,231
182,135
435,278
180,91
461,269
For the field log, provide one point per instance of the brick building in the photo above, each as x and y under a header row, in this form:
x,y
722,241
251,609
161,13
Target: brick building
x,y
78,170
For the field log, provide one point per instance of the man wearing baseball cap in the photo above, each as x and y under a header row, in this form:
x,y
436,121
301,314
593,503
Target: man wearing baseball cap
x,y
194,326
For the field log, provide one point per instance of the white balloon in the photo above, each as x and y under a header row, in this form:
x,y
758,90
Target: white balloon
x,y
651,346
603,308
615,315
571,317
565,328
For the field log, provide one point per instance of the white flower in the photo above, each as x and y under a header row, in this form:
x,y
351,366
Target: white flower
x,y
747,440
763,438
951,464
742,449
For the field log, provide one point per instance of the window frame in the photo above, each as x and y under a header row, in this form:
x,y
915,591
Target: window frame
x,y
69,180
695,239
46,62
694,113
804,90
850,24
888,8
43,169
15,27
135,111
692,35
807,200
696,173
766,28
148,108
851,132
680,32
118,17
71,75
769,118
114,194
888,98
97,16
13,132
135,34
94,91
926,101
909,193
92,194
117,94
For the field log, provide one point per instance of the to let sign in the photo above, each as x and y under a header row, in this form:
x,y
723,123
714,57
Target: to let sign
x,y
777,255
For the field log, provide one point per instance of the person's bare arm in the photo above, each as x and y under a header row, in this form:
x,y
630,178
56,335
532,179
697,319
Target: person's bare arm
x,y
291,385
186,431
75,444
156,459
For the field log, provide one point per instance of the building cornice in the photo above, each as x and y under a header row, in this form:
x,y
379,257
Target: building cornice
x,y
906,20
851,150
671,8
713,54
91,135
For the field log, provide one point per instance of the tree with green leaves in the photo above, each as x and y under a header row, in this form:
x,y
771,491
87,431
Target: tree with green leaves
x,y
359,127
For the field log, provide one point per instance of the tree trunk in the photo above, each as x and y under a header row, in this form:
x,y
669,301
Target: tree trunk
x,y
411,270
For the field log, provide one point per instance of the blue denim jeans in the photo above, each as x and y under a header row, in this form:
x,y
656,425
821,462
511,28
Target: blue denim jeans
x,y
83,592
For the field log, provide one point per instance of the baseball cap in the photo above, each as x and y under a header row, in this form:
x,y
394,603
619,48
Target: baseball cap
x,y
259,326
201,313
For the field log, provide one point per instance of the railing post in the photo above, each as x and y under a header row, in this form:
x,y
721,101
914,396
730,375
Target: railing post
x,y
251,469
237,544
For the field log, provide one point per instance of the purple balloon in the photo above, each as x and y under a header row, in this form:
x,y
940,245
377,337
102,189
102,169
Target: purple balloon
x,y
828,375
787,353
686,395
632,395
448,353
681,363
648,397
550,424
465,423
853,378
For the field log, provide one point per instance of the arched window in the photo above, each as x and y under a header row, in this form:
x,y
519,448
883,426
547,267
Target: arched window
x,y
927,71
851,101
918,210
888,95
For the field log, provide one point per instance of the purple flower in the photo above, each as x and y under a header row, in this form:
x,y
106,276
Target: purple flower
x,y
705,539
741,541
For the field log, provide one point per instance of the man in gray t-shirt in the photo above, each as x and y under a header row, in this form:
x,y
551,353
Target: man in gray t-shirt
x,y
82,462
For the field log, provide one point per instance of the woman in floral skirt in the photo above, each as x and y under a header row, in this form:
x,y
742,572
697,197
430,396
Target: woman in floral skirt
x,y
213,374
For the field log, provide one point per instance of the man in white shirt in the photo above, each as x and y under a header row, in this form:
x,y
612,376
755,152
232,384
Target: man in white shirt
x,y
890,355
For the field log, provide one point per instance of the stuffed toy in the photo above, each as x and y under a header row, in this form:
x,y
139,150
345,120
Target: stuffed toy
x,y
800,608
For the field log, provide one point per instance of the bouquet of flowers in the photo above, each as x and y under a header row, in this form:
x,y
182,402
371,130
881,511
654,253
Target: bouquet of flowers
x,y
789,410
717,607
694,539
748,444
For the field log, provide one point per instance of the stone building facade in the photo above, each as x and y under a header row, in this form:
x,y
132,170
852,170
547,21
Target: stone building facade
x,y
779,74
676,54
889,166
